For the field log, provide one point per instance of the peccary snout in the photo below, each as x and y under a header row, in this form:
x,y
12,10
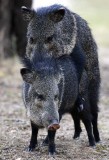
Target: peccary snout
x,y
54,125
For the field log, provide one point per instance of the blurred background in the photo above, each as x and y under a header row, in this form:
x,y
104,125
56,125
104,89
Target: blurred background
x,y
14,126
13,28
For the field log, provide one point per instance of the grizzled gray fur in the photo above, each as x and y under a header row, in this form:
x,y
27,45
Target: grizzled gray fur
x,y
50,90
55,30
48,84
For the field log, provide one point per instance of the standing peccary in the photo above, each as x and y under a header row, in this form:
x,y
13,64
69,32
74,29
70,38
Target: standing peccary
x,y
56,31
49,85
50,90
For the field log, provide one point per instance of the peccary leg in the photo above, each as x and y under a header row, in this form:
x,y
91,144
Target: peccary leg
x,y
77,126
79,58
51,145
95,127
78,108
33,141
94,97
45,142
88,127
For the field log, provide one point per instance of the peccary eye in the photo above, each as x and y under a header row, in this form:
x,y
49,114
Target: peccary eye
x,y
31,40
40,97
49,39
56,97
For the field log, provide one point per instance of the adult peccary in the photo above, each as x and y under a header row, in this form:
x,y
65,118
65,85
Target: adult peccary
x,y
50,90
55,30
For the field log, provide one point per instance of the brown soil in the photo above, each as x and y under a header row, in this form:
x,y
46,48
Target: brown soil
x,y
15,127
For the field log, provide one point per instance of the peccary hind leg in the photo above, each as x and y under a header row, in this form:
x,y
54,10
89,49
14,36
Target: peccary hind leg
x,y
95,127
88,127
77,126
33,141
85,115
79,58
78,108
94,96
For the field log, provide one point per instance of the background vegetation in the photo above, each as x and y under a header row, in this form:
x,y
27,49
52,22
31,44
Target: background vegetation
x,y
96,12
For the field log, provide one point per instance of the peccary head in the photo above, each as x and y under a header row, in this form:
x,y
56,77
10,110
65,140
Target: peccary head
x,y
51,30
42,95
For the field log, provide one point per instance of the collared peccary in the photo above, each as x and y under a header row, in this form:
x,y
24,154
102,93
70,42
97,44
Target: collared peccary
x,y
55,31
49,84
51,90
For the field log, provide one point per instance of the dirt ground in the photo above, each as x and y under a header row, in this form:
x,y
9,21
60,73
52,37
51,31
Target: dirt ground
x,y
15,127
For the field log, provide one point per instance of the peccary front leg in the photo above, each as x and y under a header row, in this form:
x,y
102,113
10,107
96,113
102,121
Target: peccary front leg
x,y
45,142
33,141
51,143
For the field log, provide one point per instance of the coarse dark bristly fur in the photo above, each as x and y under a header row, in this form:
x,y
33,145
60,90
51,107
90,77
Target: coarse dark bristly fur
x,y
85,114
43,79
59,31
40,61
51,64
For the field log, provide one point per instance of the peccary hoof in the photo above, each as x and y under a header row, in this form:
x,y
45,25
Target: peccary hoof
x,y
30,148
97,139
77,135
45,142
92,144
52,155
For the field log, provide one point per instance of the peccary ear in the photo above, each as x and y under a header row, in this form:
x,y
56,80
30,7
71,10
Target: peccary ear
x,y
27,13
57,15
27,75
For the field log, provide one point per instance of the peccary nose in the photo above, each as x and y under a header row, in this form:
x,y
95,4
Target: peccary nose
x,y
54,125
